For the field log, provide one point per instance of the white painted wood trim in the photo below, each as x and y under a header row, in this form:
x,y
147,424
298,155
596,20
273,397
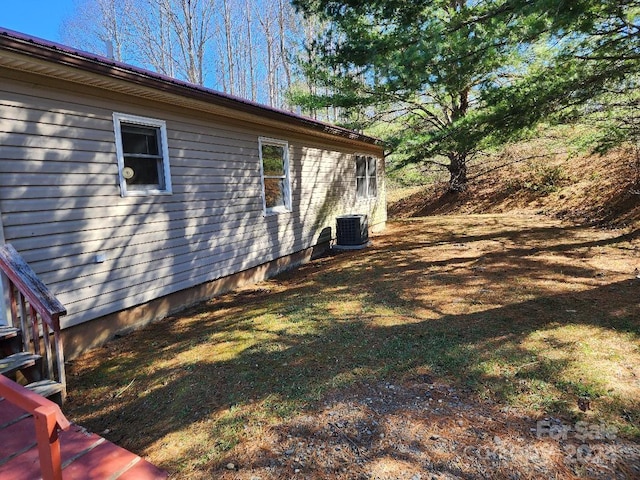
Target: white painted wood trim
x,y
147,122
287,180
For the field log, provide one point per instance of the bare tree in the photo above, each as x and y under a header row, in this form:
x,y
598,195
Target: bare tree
x,y
284,14
267,24
251,45
251,64
154,42
101,26
226,15
190,24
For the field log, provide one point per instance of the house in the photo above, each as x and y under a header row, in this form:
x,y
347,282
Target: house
x,y
132,194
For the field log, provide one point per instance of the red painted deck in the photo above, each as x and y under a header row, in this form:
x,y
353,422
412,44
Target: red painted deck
x,y
85,456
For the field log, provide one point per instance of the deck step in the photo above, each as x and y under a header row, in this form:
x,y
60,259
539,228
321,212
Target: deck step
x,y
17,361
7,332
10,340
45,388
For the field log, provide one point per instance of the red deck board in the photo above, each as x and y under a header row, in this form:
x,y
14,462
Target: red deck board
x,y
74,441
17,437
143,470
22,467
9,412
85,456
100,463
27,465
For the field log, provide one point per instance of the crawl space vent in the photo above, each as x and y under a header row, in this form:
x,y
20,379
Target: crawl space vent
x,y
352,231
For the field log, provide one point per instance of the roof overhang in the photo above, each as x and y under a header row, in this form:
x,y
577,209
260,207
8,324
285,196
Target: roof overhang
x,y
22,53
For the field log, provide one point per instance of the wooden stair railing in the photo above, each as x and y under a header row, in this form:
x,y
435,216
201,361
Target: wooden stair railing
x,y
49,420
36,311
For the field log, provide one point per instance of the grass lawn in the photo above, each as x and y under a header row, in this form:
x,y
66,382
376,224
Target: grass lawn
x,y
444,348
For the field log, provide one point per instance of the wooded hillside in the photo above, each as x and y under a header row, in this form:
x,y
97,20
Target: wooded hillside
x,y
586,187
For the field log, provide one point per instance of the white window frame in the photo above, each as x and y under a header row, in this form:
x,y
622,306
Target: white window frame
x,y
367,176
286,177
118,119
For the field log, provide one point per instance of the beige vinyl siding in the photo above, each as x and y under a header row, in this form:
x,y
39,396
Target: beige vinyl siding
x,y
61,204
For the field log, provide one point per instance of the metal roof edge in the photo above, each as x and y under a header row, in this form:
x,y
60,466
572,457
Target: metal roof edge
x,y
64,55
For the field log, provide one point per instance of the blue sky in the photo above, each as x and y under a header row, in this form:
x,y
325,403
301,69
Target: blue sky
x,y
38,18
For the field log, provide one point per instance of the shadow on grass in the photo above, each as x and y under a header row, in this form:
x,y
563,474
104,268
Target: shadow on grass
x,y
383,313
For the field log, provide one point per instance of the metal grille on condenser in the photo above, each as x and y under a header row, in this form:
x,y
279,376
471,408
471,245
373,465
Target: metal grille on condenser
x,y
352,230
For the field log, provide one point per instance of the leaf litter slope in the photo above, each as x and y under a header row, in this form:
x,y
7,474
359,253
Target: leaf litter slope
x,y
437,351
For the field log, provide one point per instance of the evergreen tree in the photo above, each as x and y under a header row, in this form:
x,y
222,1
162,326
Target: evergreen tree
x,y
421,64
590,69
456,75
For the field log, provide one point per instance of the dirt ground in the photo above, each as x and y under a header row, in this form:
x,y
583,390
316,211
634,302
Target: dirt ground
x,y
421,429
457,347
585,189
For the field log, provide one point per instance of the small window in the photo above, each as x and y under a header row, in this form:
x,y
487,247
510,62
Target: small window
x,y
143,158
274,167
366,182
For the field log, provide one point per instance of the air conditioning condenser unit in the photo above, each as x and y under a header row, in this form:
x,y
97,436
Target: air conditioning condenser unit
x,y
352,231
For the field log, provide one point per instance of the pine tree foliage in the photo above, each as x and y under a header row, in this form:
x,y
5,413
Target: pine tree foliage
x,y
458,75
590,70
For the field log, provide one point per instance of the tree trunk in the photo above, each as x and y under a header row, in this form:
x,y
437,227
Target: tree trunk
x,y
457,172
252,75
284,55
228,28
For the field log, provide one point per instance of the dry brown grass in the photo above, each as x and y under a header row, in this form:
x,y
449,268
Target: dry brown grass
x,y
592,189
433,353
